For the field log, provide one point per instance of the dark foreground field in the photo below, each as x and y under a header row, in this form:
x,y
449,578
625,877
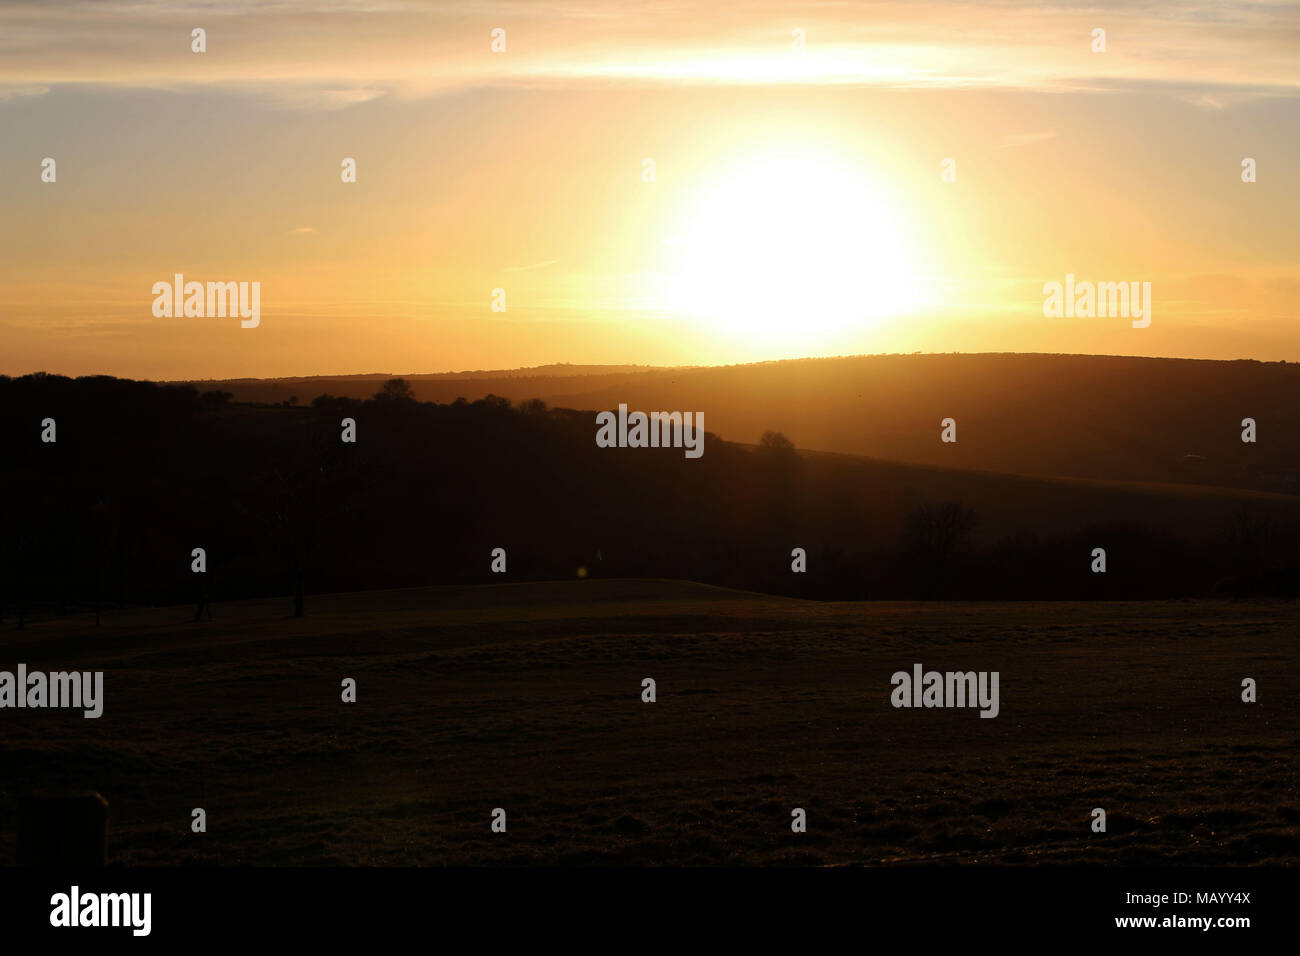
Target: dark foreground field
x,y
528,697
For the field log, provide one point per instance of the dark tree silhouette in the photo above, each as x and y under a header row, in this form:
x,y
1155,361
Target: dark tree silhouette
x,y
396,390
776,444
931,540
216,399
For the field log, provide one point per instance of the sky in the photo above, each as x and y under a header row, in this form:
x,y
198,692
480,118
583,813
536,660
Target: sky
x,y
680,183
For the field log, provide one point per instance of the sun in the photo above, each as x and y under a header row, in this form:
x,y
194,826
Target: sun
x,y
794,249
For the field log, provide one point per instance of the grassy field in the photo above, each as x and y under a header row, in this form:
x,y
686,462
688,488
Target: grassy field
x,y
528,697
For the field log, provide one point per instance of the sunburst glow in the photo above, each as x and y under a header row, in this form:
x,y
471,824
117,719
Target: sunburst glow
x,y
789,247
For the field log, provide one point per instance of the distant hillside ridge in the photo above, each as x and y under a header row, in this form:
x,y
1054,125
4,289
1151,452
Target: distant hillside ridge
x,y
1087,416
486,491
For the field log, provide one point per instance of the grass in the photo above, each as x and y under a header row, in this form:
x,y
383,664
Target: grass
x,y
528,697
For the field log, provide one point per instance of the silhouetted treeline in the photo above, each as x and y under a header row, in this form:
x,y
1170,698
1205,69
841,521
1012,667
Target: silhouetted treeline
x,y
140,475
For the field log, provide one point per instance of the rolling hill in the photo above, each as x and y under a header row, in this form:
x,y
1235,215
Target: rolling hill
x,y
1086,416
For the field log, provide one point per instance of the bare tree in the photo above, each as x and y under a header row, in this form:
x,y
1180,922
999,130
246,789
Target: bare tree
x,y
932,538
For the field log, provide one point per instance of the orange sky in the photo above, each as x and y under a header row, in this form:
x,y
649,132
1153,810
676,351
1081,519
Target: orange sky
x,y
797,205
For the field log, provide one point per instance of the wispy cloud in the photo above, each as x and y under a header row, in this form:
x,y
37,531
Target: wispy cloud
x,y
325,55
308,98
529,268
21,92
1012,140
